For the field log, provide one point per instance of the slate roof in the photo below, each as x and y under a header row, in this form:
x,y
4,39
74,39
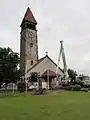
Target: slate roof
x,y
29,17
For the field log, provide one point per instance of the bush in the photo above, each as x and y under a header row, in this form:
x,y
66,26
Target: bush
x,y
69,87
77,88
84,89
21,86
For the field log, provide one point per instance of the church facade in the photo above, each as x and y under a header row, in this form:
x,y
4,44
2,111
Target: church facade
x,y
29,61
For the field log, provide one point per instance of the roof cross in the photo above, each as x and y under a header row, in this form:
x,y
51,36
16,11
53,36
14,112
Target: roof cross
x,y
46,53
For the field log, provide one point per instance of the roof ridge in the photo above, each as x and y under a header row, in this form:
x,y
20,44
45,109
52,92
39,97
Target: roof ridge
x,y
54,63
40,60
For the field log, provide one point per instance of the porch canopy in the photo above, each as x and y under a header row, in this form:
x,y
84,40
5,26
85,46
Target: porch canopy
x,y
49,73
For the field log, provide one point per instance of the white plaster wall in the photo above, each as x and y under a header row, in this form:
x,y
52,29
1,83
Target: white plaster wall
x,y
43,66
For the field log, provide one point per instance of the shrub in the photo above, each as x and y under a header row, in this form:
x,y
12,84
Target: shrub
x,y
77,88
21,86
69,87
85,89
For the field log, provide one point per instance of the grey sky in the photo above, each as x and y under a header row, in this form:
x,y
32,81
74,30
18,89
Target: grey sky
x,y
57,19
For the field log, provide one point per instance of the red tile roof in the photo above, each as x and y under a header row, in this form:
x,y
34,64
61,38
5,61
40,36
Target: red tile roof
x,y
29,17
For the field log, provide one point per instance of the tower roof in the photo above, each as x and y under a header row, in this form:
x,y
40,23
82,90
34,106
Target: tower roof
x,y
29,17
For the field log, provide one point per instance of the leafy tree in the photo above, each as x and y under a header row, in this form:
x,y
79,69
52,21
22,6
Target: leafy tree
x,y
34,77
9,61
72,74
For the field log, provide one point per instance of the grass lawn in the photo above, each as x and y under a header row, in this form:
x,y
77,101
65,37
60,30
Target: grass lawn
x,y
62,106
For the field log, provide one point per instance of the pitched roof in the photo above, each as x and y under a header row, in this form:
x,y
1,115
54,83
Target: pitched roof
x,y
29,17
40,60
54,63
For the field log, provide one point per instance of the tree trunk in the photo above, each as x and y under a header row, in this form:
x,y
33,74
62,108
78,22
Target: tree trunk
x,y
6,89
13,89
26,87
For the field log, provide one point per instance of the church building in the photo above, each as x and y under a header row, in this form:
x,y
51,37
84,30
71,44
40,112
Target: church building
x,y
29,61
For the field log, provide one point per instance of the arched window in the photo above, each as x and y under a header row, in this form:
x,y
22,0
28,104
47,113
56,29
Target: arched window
x,y
31,44
31,62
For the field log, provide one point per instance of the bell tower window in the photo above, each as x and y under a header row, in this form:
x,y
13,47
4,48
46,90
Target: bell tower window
x,y
29,26
31,62
31,44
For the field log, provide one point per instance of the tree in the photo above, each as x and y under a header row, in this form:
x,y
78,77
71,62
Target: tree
x,y
34,76
9,61
72,74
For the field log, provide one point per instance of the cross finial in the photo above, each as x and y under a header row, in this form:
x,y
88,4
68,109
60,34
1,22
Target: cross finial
x,y
61,41
46,53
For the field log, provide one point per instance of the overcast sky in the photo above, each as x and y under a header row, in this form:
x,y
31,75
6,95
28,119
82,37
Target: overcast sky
x,y
67,20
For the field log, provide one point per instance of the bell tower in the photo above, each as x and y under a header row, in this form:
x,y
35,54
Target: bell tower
x,y
28,42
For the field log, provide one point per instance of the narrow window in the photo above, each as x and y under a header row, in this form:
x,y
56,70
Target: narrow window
x,y
31,44
31,62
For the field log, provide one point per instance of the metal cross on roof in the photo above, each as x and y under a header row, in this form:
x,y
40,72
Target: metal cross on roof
x,y
46,53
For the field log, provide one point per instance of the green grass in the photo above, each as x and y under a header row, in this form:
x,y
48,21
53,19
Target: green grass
x,y
62,106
